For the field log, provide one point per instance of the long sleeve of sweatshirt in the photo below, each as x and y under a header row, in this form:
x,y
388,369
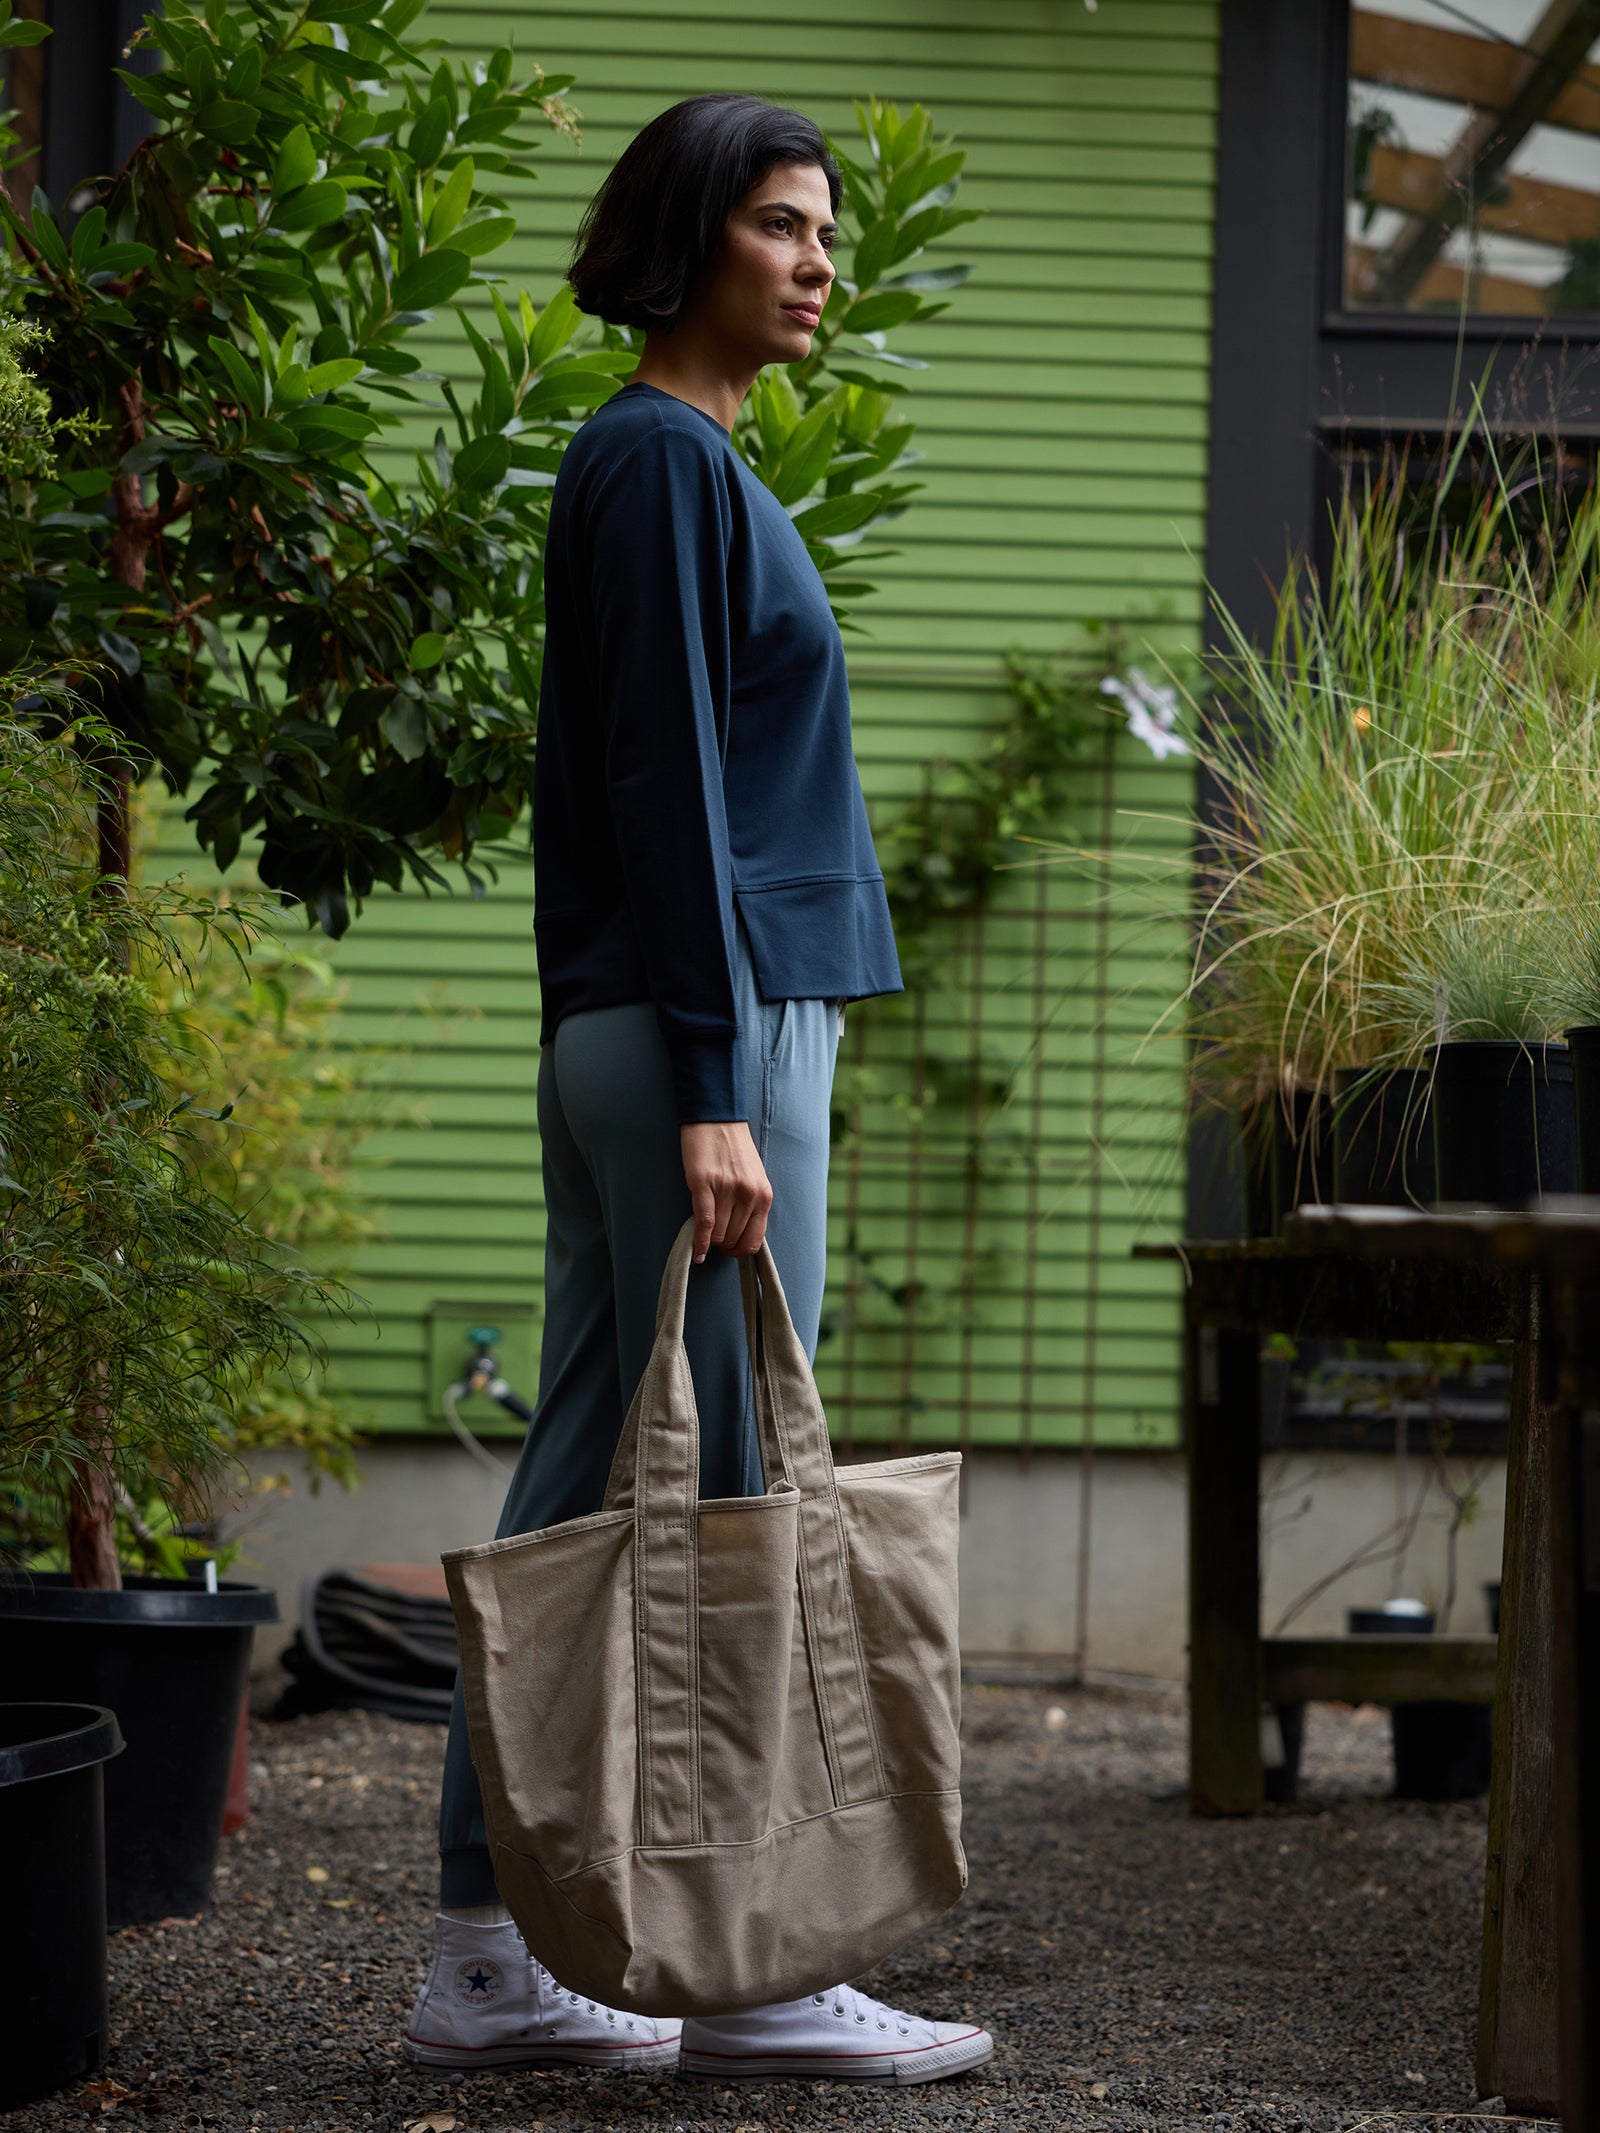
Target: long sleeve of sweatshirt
x,y
659,536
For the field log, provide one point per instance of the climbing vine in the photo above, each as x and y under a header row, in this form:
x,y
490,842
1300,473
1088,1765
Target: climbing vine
x,y
944,855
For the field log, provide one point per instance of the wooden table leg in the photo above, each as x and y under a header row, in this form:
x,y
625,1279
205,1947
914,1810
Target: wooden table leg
x,y
1517,2048
1223,1417
1576,1609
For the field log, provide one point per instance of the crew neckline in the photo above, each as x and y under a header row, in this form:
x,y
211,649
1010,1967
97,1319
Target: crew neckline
x,y
643,385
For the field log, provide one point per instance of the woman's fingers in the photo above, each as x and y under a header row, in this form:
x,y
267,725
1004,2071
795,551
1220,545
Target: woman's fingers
x,y
729,1191
705,1216
748,1227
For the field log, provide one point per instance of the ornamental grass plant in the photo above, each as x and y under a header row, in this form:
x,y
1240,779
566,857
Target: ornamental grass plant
x,y
1404,844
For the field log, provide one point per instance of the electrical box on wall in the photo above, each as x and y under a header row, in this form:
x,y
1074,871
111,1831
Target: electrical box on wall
x,y
455,1333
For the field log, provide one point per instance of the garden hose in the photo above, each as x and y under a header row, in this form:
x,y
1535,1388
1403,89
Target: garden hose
x,y
483,1375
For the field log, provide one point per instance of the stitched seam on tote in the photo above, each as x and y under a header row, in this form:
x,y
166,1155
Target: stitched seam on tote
x,y
867,1709
744,1844
641,1632
853,1630
691,1610
813,1642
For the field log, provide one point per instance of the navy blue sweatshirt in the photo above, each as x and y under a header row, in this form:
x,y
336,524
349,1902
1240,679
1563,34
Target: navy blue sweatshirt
x,y
693,759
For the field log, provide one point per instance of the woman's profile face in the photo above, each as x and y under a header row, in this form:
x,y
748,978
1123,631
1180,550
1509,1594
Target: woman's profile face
x,y
763,294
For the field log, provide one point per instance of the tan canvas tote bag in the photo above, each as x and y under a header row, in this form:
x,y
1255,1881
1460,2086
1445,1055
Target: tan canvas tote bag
x,y
717,1742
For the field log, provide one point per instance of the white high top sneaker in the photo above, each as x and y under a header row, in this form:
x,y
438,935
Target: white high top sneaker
x,y
486,2002
832,2036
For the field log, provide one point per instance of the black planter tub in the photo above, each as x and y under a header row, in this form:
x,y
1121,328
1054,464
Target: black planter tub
x,y
1504,1123
53,1951
1382,1137
171,1660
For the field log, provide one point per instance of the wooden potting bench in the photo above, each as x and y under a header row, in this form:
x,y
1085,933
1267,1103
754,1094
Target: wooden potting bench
x,y
1388,1274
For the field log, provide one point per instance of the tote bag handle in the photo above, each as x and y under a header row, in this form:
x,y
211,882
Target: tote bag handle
x,y
655,1474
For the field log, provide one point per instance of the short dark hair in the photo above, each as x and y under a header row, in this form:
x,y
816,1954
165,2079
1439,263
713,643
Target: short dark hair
x,y
651,230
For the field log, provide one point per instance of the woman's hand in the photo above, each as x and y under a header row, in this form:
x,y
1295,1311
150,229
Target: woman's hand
x,y
728,1187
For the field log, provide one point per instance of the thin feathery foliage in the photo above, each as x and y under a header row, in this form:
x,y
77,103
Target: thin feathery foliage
x,y
138,1308
1403,848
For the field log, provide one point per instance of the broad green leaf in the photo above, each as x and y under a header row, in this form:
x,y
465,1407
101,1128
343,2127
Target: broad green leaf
x,y
200,70
535,458
585,389
122,258
248,389
297,162
228,120
875,252
495,402
484,233
329,421
805,455
430,133
451,201
341,10
86,237
837,514
18,33
45,234
482,463
487,125
312,207
427,650
516,347
882,311
611,362
405,727
930,278
244,76
433,279
344,67
556,324
328,377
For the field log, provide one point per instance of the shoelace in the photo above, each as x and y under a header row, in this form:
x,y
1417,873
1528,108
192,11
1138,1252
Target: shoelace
x,y
575,1999
845,2002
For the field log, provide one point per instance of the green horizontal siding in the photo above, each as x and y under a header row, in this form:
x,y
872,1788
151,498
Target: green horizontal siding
x,y
1064,426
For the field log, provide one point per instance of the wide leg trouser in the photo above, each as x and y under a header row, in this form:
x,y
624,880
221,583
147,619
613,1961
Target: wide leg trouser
x,y
615,1199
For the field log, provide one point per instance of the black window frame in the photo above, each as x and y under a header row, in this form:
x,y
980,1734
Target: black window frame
x,y
1482,328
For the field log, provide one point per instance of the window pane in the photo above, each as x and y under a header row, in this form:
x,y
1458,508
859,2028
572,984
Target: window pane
x,y
1472,158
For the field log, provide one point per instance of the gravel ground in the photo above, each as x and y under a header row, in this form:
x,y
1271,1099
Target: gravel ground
x,y
1312,1969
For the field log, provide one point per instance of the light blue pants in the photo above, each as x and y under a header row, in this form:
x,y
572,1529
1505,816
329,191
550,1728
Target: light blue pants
x,y
615,1199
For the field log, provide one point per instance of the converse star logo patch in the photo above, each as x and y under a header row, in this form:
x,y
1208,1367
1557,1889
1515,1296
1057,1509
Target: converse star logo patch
x,y
478,1981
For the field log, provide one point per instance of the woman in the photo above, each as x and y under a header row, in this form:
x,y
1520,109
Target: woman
x,y
707,899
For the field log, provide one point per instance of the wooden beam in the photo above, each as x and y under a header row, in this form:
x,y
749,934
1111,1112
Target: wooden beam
x,y
1390,53
1557,46
1398,1669
1223,1416
1517,2007
1445,286
1534,208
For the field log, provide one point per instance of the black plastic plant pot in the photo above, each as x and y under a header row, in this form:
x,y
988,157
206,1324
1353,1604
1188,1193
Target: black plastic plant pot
x,y
1382,1138
1504,1123
1583,1044
1441,1750
1289,1159
171,1659
52,1838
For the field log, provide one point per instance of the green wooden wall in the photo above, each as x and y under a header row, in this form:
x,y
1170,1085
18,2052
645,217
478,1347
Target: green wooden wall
x,y
1064,423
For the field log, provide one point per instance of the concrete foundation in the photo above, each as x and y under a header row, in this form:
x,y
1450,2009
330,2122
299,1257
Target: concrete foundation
x,y
1020,1532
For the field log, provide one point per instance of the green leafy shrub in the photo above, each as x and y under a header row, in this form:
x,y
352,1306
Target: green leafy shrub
x,y
138,1309
345,669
